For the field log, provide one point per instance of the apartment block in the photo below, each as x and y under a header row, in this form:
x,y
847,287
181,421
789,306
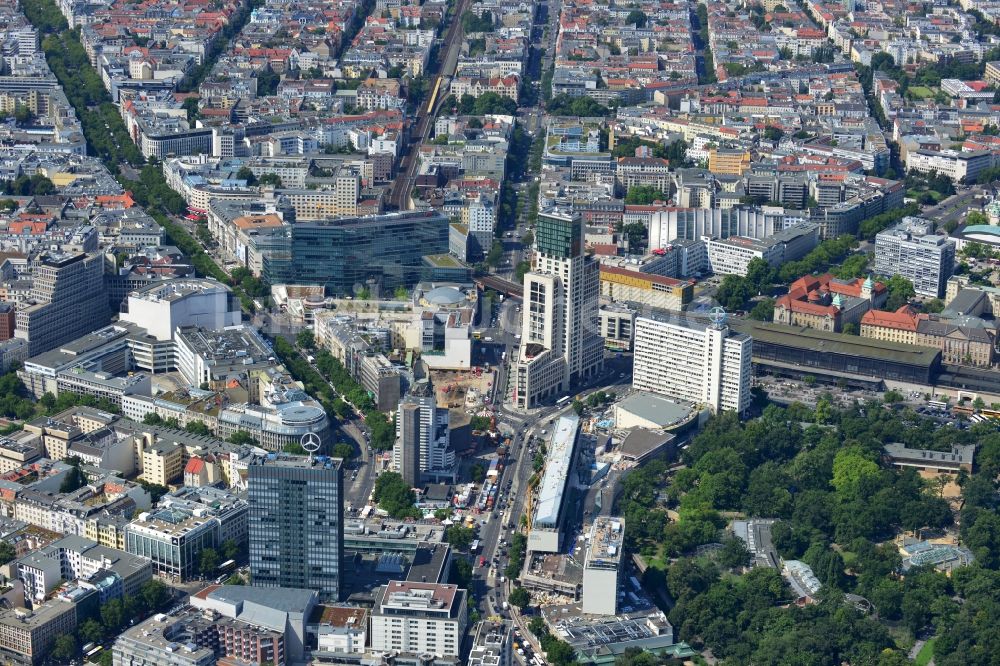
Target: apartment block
x,y
703,362
419,618
914,251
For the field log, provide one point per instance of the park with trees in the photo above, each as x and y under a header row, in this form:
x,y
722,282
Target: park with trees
x,y
820,473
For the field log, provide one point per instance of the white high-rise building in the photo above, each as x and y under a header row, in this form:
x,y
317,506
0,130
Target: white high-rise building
x,y
561,342
913,250
704,362
423,440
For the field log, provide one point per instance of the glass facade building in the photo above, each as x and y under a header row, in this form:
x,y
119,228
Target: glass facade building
x,y
296,523
346,254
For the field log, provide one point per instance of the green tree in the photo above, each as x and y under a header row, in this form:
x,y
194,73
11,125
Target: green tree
x,y
459,537
242,437
395,496
197,427
112,616
636,234
900,292
892,396
733,292
477,472
245,173
343,450
636,18
851,468
230,549
461,572
519,597
64,649
442,514
190,105
155,594
643,195
295,449
74,479
7,553
495,254
208,561
305,339
760,274
762,310
90,631
734,553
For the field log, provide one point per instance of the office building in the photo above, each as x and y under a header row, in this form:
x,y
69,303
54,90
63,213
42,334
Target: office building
x,y
296,523
624,284
68,300
602,567
545,531
617,322
213,356
912,249
380,252
419,618
960,167
184,523
423,442
32,633
732,256
561,342
339,629
163,307
703,362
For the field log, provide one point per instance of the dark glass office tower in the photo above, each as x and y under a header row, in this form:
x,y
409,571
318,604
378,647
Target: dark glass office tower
x,y
296,523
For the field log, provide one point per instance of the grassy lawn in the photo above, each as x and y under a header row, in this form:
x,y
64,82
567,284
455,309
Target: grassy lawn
x,y
926,653
915,194
920,92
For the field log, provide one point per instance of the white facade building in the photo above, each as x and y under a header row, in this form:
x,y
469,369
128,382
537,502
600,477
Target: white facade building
x,y
912,249
419,618
702,362
165,306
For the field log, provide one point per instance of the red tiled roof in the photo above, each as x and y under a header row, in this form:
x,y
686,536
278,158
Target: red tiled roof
x,y
903,319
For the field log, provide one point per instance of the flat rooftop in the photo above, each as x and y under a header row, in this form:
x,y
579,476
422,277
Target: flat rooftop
x,y
656,408
821,342
550,493
237,344
606,537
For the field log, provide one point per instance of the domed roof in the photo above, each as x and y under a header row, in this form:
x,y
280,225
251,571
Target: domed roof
x,y
444,296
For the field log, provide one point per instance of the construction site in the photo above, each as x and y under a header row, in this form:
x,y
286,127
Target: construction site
x,y
463,389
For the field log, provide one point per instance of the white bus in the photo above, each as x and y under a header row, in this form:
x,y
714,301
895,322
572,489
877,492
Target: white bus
x,y
562,401
474,547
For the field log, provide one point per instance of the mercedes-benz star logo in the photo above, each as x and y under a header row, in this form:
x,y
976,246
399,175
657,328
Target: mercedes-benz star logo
x,y
310,442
